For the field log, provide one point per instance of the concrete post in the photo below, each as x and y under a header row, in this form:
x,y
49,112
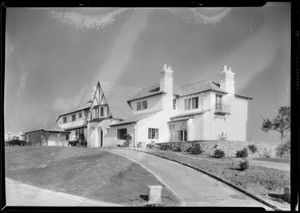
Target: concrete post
x,y
154,194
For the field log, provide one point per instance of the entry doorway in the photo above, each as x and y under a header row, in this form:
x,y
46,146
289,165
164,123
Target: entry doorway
x,y
100,136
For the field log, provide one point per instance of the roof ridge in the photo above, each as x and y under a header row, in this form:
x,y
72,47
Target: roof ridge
x,y
190,84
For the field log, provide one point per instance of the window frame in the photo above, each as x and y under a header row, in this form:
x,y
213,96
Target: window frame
x,y
153,133
65,119
142,105
74,117
80,115
119,131
191,103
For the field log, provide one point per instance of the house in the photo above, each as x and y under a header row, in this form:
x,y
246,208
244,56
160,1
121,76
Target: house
x,y
48,137
164,112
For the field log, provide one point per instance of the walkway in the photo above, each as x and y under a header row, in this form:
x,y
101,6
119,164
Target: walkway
x,y
19,194
193,188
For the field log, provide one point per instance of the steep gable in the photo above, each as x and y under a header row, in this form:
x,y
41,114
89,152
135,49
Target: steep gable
x,y
117,96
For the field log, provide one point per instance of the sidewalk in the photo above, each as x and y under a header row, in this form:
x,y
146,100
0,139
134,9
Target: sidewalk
x,y
193,188
20,194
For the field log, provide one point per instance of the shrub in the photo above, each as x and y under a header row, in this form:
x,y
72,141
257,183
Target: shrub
x,y
243,153
218,153
243,165
150,145
196,149
252,148
127,137
177,149
16,142
223,136
126,144
139,144
283,151
165,146
266,154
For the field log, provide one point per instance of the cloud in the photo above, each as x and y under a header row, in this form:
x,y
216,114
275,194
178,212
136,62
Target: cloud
x,y
201,17
63,104
22,80
82,21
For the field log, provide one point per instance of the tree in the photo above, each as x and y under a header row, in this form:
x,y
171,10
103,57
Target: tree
x,y
280,124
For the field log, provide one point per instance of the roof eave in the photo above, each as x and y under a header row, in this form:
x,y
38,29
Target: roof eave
x,y
134,99
242,96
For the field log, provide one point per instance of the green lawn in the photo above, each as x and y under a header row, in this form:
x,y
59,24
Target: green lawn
x,y
91,173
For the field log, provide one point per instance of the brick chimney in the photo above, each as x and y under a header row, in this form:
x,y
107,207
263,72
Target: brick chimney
x,y
227,80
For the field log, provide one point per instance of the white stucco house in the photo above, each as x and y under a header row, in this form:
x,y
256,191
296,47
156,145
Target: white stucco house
x,y
160,113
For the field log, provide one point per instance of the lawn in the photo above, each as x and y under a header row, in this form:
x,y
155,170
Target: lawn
x,y
90,173
266,183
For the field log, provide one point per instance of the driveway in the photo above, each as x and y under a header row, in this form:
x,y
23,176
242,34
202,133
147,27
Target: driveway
x,y
19,194
192,187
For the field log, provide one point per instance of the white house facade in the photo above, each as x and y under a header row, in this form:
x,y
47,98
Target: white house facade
x,y
163,112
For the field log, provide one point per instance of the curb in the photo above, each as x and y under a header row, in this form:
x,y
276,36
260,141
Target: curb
x,y
218,178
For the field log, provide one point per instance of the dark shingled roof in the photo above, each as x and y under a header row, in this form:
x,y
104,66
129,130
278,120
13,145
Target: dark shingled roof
x,y
180,90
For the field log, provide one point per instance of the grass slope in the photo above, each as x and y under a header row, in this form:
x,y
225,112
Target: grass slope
x,y
91,173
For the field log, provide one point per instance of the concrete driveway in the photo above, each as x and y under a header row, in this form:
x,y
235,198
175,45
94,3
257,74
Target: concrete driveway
x,y
19,194
192,187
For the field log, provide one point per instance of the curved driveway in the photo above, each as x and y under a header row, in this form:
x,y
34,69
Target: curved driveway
x,y
192,187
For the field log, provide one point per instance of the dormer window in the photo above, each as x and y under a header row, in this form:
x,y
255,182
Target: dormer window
x,y
191,103
142,105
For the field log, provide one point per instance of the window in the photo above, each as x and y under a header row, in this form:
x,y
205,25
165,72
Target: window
x,y
152,133
191,103
65,119
219,102
141,105
121,133
74,117
174,103
101,111
138,106
144,105
79,114
96,112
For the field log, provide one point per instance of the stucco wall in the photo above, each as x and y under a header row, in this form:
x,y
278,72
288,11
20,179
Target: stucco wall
x,y
234,124
111,139
153,103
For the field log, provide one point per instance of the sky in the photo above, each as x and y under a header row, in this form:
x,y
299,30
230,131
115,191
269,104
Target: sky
x,y
52,55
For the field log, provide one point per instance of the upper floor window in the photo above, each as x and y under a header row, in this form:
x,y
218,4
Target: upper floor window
x,y
174,103
79,114
96,112
152,133
121,133
219,101
65,119
101,111
191,103
74,117
141,105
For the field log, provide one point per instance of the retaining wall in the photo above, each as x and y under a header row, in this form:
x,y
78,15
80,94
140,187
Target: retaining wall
x,y
230,147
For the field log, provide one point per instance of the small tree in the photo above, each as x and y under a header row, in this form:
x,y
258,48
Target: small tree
x,y
223,136
128,139
280,124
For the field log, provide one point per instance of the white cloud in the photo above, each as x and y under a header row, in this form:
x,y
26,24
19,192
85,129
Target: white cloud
x,y
63,104
82,21
202,18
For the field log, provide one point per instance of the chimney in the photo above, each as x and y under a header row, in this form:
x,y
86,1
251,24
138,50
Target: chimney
x,y
227,80
166,85
166,80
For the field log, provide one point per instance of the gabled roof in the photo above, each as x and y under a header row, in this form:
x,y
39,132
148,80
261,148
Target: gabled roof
x,y
136,118
201,86
117,96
